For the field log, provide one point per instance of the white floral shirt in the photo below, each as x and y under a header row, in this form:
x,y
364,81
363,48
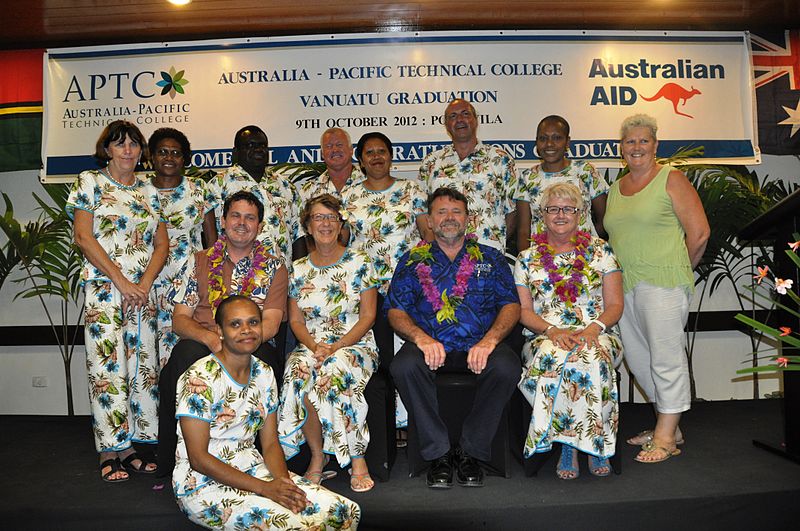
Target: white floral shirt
x,y
322,185
283,221
487,177
184,207
584,175
383,223
233,411
124,221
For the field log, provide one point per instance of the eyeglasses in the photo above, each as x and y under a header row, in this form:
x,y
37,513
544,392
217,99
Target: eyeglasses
x,y
325,217
163,152
568,210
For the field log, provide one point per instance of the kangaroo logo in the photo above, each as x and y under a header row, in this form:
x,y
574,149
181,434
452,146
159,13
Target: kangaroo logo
x,y
674,93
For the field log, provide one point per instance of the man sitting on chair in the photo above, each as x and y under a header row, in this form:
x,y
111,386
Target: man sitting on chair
x,y
237,264
454,301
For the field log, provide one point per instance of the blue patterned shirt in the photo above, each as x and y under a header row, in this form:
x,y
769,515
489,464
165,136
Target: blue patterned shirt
x,y
490,287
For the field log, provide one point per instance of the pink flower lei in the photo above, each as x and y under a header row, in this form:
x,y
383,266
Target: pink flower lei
x,y
216,285
445,305
567,280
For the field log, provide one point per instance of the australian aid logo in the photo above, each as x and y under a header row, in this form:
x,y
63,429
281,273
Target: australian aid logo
x,y
146,97
679,83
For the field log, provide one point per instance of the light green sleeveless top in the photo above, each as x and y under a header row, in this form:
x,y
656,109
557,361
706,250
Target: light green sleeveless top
x,y
647,237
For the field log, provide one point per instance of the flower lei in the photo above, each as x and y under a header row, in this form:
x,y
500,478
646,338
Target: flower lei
x,y
444,304
567,280
216,285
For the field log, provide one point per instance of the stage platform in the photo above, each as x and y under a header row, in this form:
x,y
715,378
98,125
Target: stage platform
x,y
721,481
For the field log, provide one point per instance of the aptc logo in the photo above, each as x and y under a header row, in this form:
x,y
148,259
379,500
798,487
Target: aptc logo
x,y
123,85
172,83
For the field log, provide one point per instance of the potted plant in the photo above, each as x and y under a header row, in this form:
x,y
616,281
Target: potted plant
x,y
43,251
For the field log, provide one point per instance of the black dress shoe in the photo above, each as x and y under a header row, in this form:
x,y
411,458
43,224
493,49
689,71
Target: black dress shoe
x,y
468,472
440,474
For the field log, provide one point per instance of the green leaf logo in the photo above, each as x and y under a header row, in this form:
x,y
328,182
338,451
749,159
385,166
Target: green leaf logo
x,y
172,82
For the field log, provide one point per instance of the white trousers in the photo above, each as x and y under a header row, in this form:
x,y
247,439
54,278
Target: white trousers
x,y
652,328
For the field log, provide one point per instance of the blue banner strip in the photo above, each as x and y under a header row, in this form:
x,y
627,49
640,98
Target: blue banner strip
x,y
521,150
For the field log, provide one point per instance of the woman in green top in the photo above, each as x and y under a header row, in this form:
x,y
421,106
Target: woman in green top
x,y
658,230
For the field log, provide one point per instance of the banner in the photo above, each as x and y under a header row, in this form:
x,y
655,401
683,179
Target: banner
x,y
697,84
20,110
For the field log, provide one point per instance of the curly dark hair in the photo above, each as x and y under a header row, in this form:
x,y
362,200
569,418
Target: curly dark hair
x,y
168,132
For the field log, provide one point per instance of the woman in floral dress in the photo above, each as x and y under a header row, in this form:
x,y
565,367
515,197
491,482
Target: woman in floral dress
x,y
331,311
220,480
118,227
189,210
570,289
389,215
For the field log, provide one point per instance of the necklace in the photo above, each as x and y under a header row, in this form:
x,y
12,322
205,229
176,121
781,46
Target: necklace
x,y
216,285
567,280
445,305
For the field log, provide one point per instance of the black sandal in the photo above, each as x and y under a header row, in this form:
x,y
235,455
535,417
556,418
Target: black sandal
x,y
127,464
116,466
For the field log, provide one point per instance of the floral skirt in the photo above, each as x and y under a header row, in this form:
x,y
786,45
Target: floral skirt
x,y
573,394
336,390
216,506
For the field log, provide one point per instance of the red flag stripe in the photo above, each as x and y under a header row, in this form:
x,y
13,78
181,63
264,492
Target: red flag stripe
x,y
22,76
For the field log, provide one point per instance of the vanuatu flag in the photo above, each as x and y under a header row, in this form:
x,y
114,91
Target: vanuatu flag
x,y
20,110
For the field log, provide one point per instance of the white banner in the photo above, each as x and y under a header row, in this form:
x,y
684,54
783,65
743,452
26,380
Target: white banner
x,y
697,84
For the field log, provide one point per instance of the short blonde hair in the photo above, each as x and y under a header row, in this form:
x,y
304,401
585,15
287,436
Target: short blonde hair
x,y
333,130
638,120
562,191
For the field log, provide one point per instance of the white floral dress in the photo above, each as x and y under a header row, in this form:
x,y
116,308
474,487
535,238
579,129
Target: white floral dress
x,y
329,298
487,177
383,223
235,413
573,393
584,175
184,207
121,352
284,219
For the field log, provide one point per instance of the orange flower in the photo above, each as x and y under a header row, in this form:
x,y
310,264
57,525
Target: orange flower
x,y
782,362
762,274
785,330
794,246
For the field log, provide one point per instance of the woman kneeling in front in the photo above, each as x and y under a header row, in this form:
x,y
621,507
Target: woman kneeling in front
x,y
220,480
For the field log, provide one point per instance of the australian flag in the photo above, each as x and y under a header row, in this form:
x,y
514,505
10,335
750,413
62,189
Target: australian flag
x,y
776,68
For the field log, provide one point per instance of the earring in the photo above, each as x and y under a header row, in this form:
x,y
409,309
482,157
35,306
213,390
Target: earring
x,y
221,337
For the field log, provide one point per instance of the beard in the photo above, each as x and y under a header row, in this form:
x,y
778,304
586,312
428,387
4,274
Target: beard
x,y
450,231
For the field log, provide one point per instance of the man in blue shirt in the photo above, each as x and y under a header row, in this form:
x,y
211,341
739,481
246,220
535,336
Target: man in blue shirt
x,y
454,301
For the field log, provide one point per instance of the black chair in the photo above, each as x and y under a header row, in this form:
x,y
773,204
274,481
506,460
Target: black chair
x,y
455,393
380,397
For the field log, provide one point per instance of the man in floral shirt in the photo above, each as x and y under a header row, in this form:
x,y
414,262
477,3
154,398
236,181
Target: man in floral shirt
x,y
454,301
340,172
278,195
485,174
237,264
